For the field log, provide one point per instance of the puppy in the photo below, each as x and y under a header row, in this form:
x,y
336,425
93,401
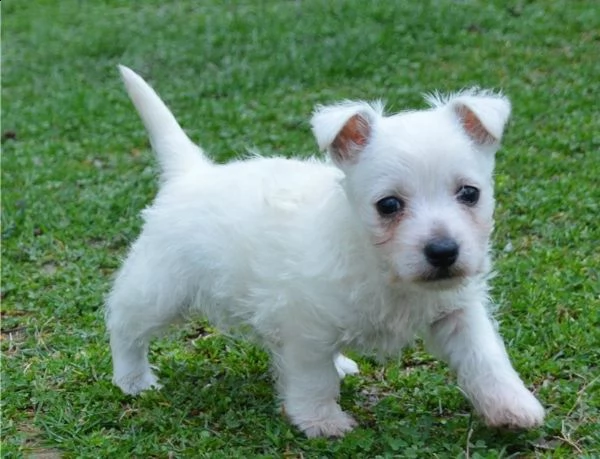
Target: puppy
x,y
388,240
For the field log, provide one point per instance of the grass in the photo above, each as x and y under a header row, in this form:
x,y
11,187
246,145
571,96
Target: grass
x,y
76,171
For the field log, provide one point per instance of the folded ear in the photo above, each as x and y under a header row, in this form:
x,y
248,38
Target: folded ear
x,y
344,129
482,115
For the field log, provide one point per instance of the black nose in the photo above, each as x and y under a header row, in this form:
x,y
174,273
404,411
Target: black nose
x,y
442,252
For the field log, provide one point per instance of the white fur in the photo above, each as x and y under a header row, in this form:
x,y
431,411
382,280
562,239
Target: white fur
x,y
328,120
297,252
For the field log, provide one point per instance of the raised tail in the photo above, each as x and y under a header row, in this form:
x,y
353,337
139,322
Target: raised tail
x,y
176,152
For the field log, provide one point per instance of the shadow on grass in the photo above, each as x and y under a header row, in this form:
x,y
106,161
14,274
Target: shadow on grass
x,y
221,395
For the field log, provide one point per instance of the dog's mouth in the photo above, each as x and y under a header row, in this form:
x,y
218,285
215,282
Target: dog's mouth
x,y
440,274
443,277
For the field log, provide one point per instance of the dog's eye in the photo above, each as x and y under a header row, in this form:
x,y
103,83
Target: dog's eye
x,y
389,206
468,195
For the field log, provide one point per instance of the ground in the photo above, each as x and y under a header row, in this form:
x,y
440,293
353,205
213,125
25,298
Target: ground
x,y
76,171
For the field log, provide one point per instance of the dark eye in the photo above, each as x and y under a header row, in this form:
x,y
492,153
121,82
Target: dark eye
x,y
468,195
389,206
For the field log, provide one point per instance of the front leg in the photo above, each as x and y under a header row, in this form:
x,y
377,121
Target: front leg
x,y
310,386
468,341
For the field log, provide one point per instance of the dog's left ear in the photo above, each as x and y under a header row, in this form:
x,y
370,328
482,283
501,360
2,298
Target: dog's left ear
x,y
482,116
344,130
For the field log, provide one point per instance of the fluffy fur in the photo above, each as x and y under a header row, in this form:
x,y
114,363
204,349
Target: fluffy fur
x,y
305,254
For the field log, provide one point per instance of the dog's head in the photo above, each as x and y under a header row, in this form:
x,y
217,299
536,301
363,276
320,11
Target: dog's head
x,y
421,182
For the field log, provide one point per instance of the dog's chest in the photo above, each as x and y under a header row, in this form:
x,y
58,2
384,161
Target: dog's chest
x,y
384,324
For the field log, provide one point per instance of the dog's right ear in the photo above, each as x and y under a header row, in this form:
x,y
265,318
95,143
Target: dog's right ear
x,y
344,129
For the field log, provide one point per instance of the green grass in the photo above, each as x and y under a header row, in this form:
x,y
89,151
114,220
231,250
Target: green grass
x,y
76,171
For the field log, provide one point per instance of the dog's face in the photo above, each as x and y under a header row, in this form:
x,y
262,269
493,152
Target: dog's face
x,y
421,182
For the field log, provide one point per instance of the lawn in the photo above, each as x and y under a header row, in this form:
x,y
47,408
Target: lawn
x,y
77,170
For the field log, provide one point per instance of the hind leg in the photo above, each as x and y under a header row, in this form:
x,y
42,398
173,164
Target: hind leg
x,y
144,301
131,370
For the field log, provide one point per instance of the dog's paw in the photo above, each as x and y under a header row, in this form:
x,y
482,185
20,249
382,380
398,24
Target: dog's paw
x,y
514,408
336,426
133,384
326,421
345,366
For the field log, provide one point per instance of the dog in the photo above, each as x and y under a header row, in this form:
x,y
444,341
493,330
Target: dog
x,y
385,240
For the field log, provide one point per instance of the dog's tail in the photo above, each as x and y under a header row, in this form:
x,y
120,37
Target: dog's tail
x,y
176,152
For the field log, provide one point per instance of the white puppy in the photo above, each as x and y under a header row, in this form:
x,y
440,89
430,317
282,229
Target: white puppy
x,y
389,241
